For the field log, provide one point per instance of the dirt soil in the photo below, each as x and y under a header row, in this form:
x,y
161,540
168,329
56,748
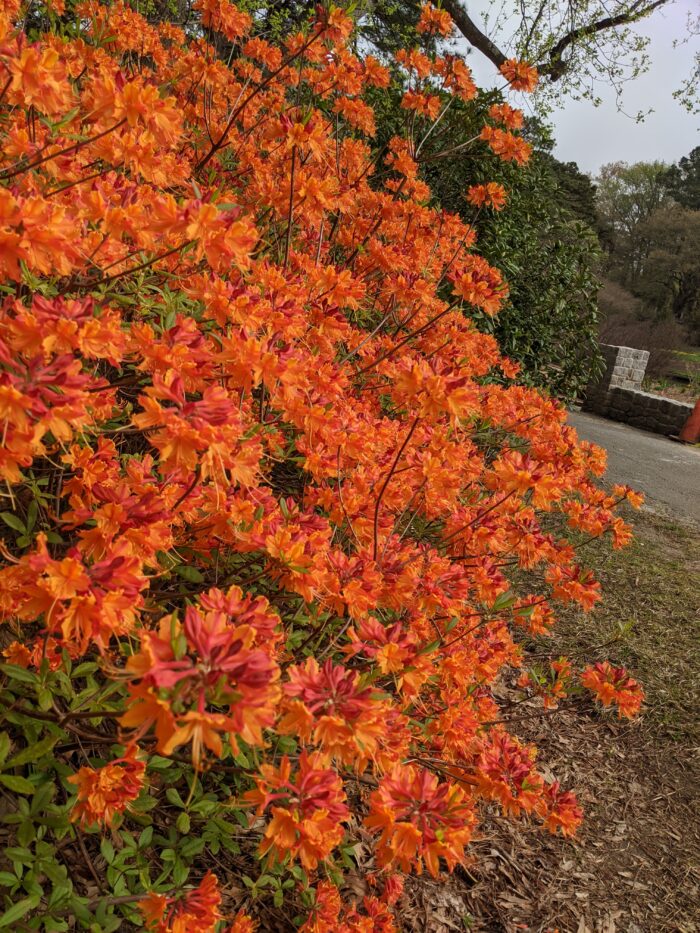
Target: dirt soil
x,y
674,390
635,864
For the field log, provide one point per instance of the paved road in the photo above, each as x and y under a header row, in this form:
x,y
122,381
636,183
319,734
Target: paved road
x,y
667,472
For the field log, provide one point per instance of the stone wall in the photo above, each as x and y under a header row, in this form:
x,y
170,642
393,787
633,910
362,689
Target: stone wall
x,y
618,394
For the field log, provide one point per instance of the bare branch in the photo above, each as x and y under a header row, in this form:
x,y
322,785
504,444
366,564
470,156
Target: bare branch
x,y
555,66
472,33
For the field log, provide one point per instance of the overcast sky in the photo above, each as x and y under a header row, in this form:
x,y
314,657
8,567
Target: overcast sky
x,y
592,136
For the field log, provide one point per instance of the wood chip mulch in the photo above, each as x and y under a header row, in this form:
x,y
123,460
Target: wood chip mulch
x,y
634,866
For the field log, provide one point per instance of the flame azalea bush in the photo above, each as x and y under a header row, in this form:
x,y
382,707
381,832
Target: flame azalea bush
x,y
278,516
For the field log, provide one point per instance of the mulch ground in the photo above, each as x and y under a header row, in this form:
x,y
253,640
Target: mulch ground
x,y
634,867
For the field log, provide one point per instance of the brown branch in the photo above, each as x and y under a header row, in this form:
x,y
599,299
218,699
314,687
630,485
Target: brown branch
x,y
415,333
54,155
478,518
142,265
190,488
88,860
241,107
64,719
386,483
290,212
555,66
472,33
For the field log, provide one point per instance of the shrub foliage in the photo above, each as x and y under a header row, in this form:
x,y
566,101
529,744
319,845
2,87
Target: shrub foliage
x,y
278,516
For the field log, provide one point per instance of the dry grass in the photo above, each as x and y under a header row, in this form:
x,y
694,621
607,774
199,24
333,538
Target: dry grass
x,y
635,866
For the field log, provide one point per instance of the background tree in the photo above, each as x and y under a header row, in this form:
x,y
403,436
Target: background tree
x,y
571,43
650,222
575,44
670,280
627,196
682,181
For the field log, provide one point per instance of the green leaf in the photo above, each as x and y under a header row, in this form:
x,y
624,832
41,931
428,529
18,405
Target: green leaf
x,y
32,513
191,574
61,892
26,833
13,521
78,907
19,910
158,763
33,752
107,850
19,673
43,796
87,667
504,601
287,744
183,823
19,854
180,873
428,649
172,795
17,784
4,745
191,847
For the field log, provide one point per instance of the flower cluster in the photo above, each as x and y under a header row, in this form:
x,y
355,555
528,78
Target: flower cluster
x,y
223,656
308,810
105,792
613,685
420,820
195,912
271,481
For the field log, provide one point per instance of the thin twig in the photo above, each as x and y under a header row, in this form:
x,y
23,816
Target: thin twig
x,y
386,483
290,209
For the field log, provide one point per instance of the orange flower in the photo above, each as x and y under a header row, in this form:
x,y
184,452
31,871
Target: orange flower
x,y
329,706
329,913
479,284
308,813
419,820
613,685
635,499
219,663
17,654
242,923
505,772
432,21
520,75
39,80
505,114
196,911
506,145
225,18
105,792
559,810
490,195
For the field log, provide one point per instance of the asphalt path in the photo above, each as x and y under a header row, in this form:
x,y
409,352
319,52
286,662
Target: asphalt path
x,y
666,471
